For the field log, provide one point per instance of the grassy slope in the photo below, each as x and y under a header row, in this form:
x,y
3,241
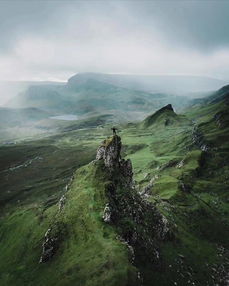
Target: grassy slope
x,y
29,196
90,253
201,212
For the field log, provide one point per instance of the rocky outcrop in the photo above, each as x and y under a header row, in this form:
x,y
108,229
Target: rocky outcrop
x,y
171,163
62,202
126,170
100,152
52,240
145,192
167,107
49,246
109,151
107,213
138,222
222,118
199,140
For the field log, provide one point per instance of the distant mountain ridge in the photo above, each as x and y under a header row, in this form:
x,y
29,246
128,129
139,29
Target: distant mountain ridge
x,y
214,97
125,97
92,95
175,84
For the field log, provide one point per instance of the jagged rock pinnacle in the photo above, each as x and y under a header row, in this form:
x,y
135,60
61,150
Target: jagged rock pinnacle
x,y
167,107
110,152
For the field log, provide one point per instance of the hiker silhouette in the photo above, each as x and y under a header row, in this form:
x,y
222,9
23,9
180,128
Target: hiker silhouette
x,y
114,129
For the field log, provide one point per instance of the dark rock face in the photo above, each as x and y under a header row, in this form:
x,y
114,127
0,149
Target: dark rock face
x,y
100,153
112,153
107,213
49,246
199,140
109,151
126,170
62,202
167,107
52,239
138,222
171,163
145,192
222,119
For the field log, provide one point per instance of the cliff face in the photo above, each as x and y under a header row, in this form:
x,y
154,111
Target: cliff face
x,y
139,224
109,152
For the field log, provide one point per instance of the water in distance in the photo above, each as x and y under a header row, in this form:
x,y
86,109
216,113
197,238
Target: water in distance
x,y
65,117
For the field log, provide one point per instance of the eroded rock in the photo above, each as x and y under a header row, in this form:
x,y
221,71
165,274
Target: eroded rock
x,y
107,213
139,223
48,246
52,240
110,152
62,202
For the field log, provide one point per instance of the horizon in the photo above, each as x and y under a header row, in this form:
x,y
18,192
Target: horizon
x,y
177,84
65,80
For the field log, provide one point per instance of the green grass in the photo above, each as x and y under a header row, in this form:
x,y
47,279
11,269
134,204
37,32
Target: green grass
x,y
89,251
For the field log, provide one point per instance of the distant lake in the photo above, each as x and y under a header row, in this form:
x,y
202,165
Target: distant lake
x,y
68,117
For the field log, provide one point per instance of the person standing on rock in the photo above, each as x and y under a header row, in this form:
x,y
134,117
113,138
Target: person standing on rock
x,y
114,129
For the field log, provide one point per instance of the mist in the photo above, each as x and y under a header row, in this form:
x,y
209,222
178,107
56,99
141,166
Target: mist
x,y
53,40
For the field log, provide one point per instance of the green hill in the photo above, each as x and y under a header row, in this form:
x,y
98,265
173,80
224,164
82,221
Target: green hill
x,y
214,97
163,117
150,207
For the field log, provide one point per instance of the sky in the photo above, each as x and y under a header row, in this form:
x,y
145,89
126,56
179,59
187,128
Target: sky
x,y
52,40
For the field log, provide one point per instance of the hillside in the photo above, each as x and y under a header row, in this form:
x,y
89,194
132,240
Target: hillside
x,y
88,95
155,83
10,89
94,94
124,97
21,116
149,207
163,117
214,97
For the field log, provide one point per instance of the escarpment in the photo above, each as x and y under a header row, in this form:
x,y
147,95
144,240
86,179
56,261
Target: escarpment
x,y
118,168
137,221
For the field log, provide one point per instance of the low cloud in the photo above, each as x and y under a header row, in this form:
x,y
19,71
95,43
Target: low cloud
x,y
52,40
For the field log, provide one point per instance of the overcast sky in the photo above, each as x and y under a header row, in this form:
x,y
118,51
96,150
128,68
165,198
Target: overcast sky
x,y
52,40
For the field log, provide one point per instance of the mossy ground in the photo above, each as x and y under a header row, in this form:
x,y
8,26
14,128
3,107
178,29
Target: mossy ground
x,y
90,253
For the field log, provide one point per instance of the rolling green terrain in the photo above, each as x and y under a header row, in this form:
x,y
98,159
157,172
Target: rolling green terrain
x,y
171,228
